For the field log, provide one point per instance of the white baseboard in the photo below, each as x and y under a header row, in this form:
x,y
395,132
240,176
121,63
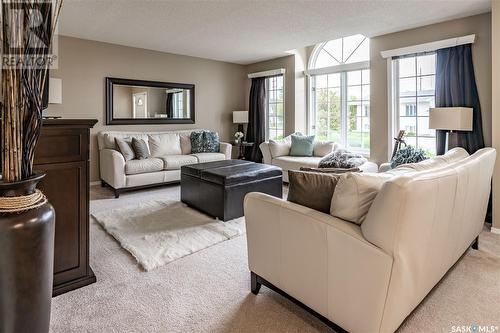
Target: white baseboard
x,y
95,183
495,230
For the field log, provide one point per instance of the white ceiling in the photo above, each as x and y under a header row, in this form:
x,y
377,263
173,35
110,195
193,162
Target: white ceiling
x,y
248,31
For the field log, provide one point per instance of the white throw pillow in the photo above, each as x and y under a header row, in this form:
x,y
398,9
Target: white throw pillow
x,y
279,148
185,143
164,144
355,193
323,148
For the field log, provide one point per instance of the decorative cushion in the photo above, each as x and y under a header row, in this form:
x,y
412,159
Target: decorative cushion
x,y
408,154
302,145
143,166
342,158
141,149
355,193
165,144
174,162
279,148
311,189
204,142
323,148
209,157
185,143
125,148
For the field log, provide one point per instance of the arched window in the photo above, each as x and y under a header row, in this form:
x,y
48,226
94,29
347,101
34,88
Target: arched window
x,y
339,73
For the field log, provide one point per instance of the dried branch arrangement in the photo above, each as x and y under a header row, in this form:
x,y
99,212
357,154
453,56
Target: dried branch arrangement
x,y
28,36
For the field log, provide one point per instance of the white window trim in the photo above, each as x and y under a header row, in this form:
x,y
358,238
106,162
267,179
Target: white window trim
x,y
339,68
267,103
272,72
429,47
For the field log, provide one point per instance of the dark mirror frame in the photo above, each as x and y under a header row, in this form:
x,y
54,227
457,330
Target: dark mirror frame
x,y
110,120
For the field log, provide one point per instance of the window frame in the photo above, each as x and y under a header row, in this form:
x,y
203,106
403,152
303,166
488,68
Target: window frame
x,y
267,129
343,69
394,96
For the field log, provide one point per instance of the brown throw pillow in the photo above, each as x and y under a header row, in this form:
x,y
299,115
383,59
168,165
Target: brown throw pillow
x,y
141,149
312,189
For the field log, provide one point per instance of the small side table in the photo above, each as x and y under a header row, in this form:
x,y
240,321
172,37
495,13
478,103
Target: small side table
x,y
242,146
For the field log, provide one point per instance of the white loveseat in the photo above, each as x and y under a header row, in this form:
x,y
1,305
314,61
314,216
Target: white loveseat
x,y
173,150
369,277
277,153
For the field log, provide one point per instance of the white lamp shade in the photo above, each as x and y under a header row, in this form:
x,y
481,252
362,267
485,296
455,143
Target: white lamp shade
x,y
452,118
240,117
55,91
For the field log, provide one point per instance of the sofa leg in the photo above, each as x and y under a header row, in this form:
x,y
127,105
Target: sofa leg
x,y
475,244
117,193
103,183
255,285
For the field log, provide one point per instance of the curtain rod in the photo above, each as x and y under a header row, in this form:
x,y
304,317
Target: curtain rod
x,y
429,47
267,73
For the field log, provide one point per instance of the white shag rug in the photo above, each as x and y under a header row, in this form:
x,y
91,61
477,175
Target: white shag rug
x,y
161,231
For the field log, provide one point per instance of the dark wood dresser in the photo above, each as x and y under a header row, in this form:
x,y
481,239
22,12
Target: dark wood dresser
x,y
62,154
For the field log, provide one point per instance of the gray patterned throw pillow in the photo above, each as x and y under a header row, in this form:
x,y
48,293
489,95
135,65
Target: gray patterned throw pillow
x,y
141,149
204,142
342,158
125,147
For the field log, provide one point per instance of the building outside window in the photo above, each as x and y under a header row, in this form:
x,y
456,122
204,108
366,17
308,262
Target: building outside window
x,y
339,107
413,95
275,108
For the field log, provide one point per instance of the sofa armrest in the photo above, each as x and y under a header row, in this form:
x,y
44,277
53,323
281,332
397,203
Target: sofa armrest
x,y
322,261
112,167
266,153
226,149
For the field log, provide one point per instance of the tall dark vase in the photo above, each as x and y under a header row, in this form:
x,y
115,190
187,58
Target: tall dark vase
x,y
26,262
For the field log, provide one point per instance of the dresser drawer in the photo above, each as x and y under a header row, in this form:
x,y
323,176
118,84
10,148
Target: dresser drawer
x,y
57,145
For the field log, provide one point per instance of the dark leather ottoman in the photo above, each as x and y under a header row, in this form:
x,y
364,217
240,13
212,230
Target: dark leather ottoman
x,y
218,188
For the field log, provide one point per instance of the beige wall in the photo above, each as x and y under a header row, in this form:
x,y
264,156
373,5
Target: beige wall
x,y
479,25
84,65
495,38
288,63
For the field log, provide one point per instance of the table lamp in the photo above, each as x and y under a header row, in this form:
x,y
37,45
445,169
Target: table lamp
x,y
451,119
240,118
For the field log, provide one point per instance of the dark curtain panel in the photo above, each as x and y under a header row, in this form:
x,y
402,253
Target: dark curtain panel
x,y
256,131
456,86
170,105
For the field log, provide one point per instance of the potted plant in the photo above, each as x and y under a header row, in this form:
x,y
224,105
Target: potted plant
x,y
26,217
238,137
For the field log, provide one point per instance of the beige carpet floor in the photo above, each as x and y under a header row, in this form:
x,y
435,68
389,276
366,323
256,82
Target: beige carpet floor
x,y
209,290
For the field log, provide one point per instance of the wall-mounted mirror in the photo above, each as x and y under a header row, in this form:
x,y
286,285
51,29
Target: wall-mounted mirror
x,y
130,102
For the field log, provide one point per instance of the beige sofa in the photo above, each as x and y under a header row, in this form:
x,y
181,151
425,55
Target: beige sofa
x,y
277,153
172,150
369,277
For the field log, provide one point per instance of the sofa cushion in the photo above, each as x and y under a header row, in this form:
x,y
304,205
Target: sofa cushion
x,y
141,149
209,157
185,139
165,144
279,148
355,193
109,138
323,148
302,145
125,148
453,155
312,189
174,162
143,166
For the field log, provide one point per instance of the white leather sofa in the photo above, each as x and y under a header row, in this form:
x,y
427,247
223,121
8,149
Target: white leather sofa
x,y
369,277
163,167
277,153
